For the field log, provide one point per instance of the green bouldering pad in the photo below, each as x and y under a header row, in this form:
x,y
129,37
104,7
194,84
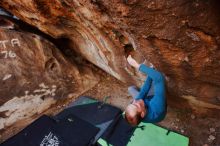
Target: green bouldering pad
x,y
83,100
145,134
152,135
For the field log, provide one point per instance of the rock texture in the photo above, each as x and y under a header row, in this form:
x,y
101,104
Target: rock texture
x,y
34,74
181,38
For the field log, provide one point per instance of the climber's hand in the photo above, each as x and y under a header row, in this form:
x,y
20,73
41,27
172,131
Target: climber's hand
x,y
133,62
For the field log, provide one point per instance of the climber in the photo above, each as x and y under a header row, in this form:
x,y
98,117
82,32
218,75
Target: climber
x,y
149,104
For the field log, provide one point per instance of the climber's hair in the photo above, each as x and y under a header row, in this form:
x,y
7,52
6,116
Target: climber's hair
x,y
127,117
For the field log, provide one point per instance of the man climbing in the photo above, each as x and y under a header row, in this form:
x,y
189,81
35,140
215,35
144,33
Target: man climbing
x,y
146,106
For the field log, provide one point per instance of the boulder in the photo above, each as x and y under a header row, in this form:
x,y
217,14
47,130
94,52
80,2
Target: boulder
x,y
34,74
181,38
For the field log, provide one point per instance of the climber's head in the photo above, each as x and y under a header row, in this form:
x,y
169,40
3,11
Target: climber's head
x,y
135,112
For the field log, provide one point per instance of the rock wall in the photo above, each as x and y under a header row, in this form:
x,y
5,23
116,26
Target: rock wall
x,y
34,74
180,38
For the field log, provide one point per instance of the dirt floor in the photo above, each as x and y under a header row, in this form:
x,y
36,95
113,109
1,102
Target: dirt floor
x,y
202,131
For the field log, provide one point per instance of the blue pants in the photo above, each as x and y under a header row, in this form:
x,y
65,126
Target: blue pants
x,y
134,91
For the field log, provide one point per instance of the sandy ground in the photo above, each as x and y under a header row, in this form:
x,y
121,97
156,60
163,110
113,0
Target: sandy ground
x,y
202,131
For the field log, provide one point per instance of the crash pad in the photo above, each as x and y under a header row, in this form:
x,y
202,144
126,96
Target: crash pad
x,y
148,134
46,131
97,113
145,134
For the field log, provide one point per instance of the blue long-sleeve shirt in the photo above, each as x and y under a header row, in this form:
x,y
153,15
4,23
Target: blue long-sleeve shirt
x,y
156,105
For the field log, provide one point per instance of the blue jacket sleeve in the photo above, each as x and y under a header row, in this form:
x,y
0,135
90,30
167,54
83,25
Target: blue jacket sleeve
x,y
144,89
155,75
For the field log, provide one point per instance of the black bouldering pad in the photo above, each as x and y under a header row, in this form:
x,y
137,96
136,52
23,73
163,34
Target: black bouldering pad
x,y
95,112
45,131
118,133
90,110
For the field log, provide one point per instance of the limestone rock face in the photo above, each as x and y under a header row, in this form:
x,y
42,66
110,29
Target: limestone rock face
x,y
181,38
34,74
